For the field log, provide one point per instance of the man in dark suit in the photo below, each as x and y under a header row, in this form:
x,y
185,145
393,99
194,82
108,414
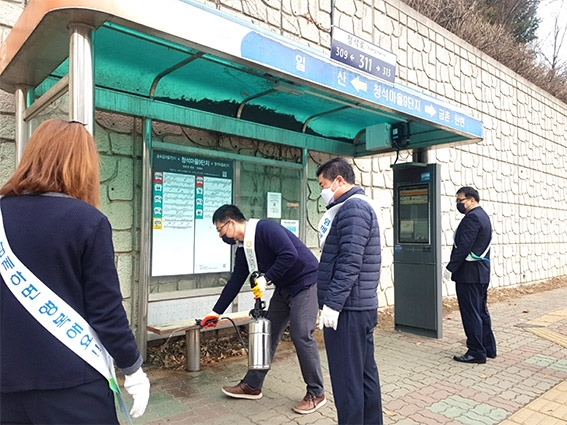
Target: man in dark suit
x,y
469,267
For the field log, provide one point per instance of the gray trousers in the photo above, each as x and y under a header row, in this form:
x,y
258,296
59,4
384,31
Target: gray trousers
x,y
300,312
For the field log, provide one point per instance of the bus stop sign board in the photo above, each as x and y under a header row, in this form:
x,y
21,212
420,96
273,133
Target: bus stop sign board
x,y
292,60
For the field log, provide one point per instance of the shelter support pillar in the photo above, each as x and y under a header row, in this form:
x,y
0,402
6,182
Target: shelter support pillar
x,y
145,237
22,127
81,75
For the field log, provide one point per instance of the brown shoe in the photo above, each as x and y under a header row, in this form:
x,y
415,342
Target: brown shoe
x,y
243,390
310,403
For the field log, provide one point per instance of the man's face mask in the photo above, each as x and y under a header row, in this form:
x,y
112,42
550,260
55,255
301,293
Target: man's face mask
x,y
461,205
230,241
225,238
328,194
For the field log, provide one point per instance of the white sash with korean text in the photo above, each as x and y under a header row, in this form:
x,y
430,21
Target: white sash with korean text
x,y
54,314
249,239
327,219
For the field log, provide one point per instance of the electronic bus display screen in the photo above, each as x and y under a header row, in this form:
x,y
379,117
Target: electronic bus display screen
x,y
413,214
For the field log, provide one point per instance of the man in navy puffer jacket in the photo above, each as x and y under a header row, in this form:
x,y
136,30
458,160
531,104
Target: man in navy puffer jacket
x,y
349,271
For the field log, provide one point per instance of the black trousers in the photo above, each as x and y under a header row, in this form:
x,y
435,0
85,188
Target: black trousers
x,y
353,370
91,403
476,319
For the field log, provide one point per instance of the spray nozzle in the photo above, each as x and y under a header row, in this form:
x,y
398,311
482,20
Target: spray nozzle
x,y
259,309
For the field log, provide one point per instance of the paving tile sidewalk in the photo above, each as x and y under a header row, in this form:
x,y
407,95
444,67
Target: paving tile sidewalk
x,y
421,384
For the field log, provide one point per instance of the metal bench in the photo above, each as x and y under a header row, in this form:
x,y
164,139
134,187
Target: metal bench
x,y
193,334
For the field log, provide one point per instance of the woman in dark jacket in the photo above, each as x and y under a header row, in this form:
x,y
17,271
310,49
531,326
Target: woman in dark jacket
x,y
56,234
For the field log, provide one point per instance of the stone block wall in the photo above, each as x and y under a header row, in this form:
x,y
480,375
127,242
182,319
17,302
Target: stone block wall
x,y
519,169
119,142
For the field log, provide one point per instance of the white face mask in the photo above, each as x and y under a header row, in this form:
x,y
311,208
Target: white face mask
x,y
328,194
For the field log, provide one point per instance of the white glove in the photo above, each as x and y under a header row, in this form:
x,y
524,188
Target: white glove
x,y
260,287
138,386
447,274
329,318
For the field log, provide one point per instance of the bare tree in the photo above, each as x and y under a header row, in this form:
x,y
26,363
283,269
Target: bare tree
x,y
551,46
471,21
519,17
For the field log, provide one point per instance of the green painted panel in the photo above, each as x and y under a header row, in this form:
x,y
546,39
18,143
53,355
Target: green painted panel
x,y
139,106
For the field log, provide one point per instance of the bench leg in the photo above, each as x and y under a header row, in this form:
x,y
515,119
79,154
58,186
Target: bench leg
x,y
193,343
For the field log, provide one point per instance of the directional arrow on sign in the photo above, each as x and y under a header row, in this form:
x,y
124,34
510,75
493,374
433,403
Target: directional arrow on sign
x,y
359,85
429,109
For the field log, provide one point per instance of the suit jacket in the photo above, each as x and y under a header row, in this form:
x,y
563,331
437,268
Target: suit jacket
x,y
472,236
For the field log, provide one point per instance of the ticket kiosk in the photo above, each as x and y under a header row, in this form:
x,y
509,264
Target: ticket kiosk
x,y
417,249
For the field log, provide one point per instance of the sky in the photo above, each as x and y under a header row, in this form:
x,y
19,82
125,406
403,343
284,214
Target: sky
x,y
547,12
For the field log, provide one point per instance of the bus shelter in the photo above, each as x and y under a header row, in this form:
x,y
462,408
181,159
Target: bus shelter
x,y
181,62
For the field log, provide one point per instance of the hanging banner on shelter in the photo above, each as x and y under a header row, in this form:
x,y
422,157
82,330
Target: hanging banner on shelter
x,y
187,190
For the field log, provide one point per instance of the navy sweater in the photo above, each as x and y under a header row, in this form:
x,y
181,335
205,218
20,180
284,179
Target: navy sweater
x,y
280,255
67,244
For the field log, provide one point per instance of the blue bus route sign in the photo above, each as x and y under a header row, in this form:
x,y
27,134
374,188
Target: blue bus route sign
x,y
313,67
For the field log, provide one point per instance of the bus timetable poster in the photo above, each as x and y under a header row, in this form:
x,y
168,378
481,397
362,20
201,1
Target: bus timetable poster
x,y
186,192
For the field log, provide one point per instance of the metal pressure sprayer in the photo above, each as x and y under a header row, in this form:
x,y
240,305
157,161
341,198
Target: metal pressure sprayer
x,y
259,333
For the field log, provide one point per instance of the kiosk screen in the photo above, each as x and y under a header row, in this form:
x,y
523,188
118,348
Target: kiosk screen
x,y
413,214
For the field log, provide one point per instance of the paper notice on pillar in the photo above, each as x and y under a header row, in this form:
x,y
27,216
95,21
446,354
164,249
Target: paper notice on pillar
x,y
292,226
274,204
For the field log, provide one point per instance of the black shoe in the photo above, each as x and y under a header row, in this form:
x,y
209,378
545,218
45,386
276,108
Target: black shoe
x,y
467,358
491,356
